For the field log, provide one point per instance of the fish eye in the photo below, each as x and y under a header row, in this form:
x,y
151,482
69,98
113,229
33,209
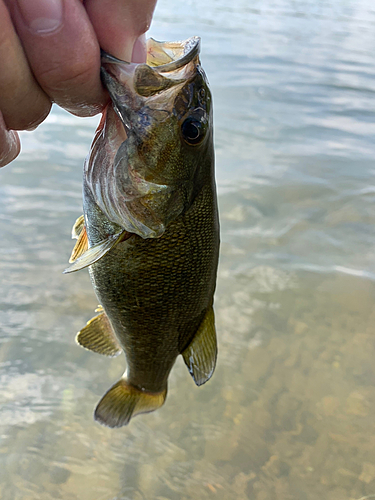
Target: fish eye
x,y
192,131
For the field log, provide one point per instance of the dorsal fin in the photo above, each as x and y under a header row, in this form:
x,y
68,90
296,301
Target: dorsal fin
x,y
200,355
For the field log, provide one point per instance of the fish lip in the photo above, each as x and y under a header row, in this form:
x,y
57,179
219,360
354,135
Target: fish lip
x,y
191,49
105,57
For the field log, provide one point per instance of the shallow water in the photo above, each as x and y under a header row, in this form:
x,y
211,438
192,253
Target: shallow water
x,y
289,412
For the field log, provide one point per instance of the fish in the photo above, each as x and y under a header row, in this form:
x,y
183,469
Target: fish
x,y
149,233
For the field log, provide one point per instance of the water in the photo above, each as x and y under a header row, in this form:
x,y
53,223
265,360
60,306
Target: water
x,y
289,412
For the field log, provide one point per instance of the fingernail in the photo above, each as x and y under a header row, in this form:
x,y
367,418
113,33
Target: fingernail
x,y
9,146
41,16
139,54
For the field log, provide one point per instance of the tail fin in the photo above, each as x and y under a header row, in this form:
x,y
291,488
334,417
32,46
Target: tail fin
x,y
123,401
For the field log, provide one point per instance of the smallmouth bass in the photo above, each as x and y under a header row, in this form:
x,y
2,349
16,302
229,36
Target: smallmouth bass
x,y
150,230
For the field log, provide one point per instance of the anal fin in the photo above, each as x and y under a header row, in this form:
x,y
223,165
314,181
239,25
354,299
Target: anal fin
x,y
98,336
200,356
123,401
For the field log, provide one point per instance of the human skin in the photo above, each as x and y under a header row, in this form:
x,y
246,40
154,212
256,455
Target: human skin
x,y
50,52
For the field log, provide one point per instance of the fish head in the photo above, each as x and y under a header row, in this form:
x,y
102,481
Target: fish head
x,y
153,150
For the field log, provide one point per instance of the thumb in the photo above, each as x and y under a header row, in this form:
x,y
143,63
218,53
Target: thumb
x,y
120,24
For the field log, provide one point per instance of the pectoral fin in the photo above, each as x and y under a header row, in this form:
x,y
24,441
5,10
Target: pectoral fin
x,y
98,336
200,355
96,252
123,401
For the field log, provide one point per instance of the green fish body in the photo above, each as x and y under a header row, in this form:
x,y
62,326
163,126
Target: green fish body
x,y
150,232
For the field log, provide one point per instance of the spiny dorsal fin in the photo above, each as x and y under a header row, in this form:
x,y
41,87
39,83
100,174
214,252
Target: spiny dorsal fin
x,y
200,355
80,247
77,227
123,401
98,336
96,252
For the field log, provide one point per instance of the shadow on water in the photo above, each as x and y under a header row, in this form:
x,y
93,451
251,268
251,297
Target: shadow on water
x,y
289,412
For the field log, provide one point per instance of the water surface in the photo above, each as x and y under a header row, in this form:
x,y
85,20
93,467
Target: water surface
x,y
289,412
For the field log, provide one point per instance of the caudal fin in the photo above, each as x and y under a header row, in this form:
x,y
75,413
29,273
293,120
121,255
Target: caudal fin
x,y
123,401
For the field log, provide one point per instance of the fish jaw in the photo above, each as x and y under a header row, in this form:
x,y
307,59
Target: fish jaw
x,y
168,64
140,170
131,86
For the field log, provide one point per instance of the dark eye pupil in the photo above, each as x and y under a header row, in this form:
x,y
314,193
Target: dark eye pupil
x,y
191,130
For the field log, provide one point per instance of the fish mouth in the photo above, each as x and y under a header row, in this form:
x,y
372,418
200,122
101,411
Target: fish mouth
x,y
170,56
163,56
168,66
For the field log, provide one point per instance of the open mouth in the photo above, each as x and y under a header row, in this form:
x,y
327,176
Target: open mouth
x,y
169,56
163,56
168,66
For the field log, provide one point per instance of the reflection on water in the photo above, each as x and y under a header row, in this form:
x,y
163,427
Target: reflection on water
x,y
289,412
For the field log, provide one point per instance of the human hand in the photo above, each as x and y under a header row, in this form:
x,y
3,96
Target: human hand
x,y
50,52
